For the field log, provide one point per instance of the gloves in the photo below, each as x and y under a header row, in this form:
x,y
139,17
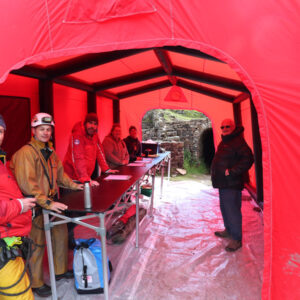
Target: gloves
x,y
7,253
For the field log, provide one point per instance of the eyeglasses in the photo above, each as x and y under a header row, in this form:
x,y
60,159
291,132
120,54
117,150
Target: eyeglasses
x,y
227,126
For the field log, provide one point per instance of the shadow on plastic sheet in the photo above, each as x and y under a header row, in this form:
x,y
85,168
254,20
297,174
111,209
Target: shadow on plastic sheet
x,y
179,257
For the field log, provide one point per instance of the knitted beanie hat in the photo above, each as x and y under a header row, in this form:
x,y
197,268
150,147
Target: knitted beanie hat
x,y
2,122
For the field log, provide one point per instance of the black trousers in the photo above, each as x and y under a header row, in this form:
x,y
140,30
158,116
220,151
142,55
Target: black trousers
x,y
230,205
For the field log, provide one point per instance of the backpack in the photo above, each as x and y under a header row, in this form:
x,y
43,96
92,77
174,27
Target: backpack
x,y
87,266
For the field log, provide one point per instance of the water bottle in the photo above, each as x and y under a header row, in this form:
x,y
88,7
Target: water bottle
x,y
87,195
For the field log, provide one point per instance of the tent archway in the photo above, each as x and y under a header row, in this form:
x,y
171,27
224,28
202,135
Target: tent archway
x,y
259,41
210,51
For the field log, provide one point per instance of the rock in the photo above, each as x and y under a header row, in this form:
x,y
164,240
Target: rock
x,y
181,171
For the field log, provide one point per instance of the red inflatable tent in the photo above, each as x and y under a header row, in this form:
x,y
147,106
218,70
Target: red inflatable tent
x,y
69,56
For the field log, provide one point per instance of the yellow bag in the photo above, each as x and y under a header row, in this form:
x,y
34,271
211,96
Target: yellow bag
x,y
10,274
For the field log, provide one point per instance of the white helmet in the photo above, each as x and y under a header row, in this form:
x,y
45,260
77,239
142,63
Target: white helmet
x,y
42,119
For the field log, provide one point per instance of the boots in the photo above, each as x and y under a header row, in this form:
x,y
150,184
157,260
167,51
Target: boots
x,y
43,291
233,245
222,234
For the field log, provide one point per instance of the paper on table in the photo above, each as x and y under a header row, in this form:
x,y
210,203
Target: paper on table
x,y
147,160
117,177
137,164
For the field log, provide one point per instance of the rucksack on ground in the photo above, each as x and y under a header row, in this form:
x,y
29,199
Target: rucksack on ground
x,y
87,265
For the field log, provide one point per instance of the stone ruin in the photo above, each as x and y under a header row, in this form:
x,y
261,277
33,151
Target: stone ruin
x,y
175,135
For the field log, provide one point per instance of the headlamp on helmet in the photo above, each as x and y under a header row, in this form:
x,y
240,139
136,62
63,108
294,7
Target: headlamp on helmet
x,y
42,119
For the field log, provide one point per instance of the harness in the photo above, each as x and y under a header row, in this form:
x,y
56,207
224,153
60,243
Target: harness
x,y
37,211
51,184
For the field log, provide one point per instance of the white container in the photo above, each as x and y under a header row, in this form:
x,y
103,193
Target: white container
x,y
87,195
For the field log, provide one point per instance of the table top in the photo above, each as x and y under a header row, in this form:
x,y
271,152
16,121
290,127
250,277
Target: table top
x,y
109,191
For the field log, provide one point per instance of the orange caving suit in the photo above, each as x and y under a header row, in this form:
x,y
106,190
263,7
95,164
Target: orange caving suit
x,y
39,177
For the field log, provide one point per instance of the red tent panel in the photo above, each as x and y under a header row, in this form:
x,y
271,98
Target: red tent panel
x,y
259,40
105,114
70,106
246,120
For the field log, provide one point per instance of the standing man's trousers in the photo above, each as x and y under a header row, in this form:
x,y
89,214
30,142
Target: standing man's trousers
x,y
230,204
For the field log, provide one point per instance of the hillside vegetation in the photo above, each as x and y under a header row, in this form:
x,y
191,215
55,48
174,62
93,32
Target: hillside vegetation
x,y
184,115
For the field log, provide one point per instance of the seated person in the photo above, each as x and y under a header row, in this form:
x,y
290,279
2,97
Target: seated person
x,y
133,144
115,149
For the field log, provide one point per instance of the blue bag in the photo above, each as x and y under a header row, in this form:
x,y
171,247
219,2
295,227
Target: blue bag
x,y
87,265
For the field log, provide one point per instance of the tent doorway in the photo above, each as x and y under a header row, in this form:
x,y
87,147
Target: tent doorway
x,y
180,132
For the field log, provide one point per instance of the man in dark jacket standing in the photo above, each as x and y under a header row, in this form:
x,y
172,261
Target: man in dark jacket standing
x,y
229,173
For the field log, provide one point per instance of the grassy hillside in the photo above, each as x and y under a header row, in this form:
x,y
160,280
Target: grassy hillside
x,y
183,115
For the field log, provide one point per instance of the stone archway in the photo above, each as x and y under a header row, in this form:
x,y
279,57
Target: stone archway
x,y
207,147
179,136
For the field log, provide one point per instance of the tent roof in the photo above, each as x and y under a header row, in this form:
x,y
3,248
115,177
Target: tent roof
x,y
121,74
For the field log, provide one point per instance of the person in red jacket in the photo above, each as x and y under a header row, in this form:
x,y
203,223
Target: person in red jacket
x,y
15,222
84,150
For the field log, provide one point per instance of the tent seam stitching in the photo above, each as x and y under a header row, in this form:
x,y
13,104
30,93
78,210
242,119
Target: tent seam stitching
x,y
49,28
172,19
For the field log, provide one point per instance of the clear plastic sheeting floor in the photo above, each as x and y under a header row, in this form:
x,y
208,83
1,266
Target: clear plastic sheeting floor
x,y
179,257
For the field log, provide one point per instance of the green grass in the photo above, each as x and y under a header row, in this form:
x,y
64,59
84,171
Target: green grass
x,y
192,166
199,178
186,115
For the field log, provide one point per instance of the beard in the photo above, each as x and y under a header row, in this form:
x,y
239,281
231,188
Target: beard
x,y
90,131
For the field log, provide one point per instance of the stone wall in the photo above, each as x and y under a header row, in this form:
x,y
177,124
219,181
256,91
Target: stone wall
x,y
177,152
189,133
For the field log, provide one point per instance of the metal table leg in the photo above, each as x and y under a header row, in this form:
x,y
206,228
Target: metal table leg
x,y
162,179
104,255
137,201
169,168
50,254
153,188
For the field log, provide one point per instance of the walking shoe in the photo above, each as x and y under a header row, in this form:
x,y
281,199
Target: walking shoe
x,y
43,291
222,234
233,246
67,275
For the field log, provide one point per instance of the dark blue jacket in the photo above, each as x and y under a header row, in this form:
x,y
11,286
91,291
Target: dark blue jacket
x,y
233,154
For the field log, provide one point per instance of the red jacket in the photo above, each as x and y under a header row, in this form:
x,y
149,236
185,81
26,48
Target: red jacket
x,y
82,153
12,223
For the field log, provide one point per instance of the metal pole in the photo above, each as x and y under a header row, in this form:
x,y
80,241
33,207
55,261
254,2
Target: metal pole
x,y
104,255
153,188
50,253
137,201
162,179
169,167
257,154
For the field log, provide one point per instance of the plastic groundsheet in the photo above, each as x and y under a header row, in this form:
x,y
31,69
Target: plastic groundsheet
x,y
179,257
